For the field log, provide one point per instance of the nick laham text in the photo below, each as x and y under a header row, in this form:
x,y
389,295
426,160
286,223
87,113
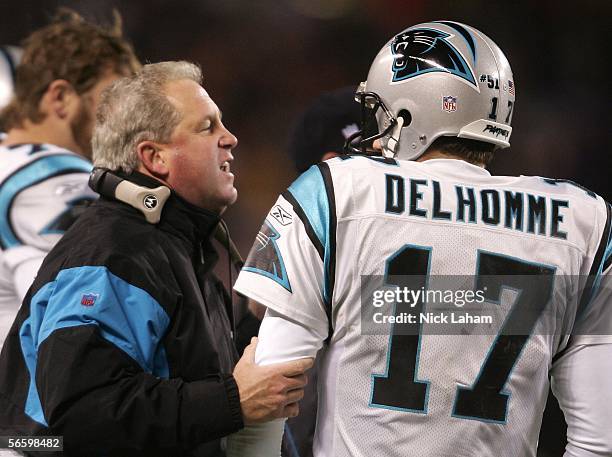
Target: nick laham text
x,y
433,318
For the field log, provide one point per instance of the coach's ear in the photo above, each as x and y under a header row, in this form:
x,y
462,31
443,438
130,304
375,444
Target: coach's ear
x,y
152,159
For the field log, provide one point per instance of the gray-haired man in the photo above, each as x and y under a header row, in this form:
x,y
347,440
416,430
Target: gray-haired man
x,y
126,335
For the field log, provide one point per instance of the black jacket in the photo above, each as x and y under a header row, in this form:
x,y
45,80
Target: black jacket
x,y
123,344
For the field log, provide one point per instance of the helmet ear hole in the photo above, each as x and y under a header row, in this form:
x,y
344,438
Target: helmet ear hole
x,y
405,114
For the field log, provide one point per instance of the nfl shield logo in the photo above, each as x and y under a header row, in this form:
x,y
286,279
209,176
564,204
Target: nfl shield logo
x,y
89,299
449,103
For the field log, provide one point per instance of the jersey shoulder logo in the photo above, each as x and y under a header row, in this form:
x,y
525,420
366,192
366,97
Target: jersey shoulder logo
x,y
281,215
265,257
64,220
420,51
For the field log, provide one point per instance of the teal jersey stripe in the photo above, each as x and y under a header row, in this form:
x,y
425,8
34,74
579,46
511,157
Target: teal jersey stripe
x,y
33,173
310,192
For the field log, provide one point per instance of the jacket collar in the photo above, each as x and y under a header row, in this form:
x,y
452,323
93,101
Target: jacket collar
x,y
196,224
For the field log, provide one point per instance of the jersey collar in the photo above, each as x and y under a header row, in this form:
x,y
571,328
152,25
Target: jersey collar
x,y
455,167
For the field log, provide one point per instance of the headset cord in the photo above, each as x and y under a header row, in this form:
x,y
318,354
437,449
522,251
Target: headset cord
x,y
233,259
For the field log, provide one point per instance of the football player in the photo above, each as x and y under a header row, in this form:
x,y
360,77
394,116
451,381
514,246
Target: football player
x,y
319,134
9,58
45,155
536,253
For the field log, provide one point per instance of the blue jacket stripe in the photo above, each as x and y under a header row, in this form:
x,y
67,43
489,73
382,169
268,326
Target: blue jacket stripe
x,y
126,316
29,346
33,173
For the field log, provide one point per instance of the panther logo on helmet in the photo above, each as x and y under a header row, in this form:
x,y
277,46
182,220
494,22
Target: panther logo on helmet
x,y
425,50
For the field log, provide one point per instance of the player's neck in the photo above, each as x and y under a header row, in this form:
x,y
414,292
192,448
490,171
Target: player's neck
x,y
43,132
435,154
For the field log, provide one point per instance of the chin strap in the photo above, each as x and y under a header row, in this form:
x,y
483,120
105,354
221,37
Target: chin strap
x,y
148,201
391,144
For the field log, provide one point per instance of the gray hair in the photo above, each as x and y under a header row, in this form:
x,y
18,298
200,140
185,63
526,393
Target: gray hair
x,y
135,109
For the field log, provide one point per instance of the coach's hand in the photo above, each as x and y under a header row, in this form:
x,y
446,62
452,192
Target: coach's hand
x,y
271,391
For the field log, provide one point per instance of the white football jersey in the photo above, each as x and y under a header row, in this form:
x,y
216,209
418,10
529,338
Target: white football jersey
x,y
444,394
42,189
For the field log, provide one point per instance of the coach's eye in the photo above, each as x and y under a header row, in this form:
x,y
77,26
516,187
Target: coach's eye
x,y
206,125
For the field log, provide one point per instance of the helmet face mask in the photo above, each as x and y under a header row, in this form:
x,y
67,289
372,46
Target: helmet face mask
x,y
431,80
362,141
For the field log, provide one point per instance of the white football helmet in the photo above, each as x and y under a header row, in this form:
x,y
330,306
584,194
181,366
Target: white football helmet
x,y
9,58
436,79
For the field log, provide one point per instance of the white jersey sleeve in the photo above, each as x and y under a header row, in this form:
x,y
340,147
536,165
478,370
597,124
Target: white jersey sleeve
x,y
280,340
259,440
43,188
582,371
581,383
289,268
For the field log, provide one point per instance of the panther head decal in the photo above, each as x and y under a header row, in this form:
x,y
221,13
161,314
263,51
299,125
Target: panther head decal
x,y
265,257
424,50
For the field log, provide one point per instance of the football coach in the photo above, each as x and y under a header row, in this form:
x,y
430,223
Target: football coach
x,y
124,343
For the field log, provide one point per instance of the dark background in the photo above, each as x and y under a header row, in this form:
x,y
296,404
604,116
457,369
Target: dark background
x,y
265,60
